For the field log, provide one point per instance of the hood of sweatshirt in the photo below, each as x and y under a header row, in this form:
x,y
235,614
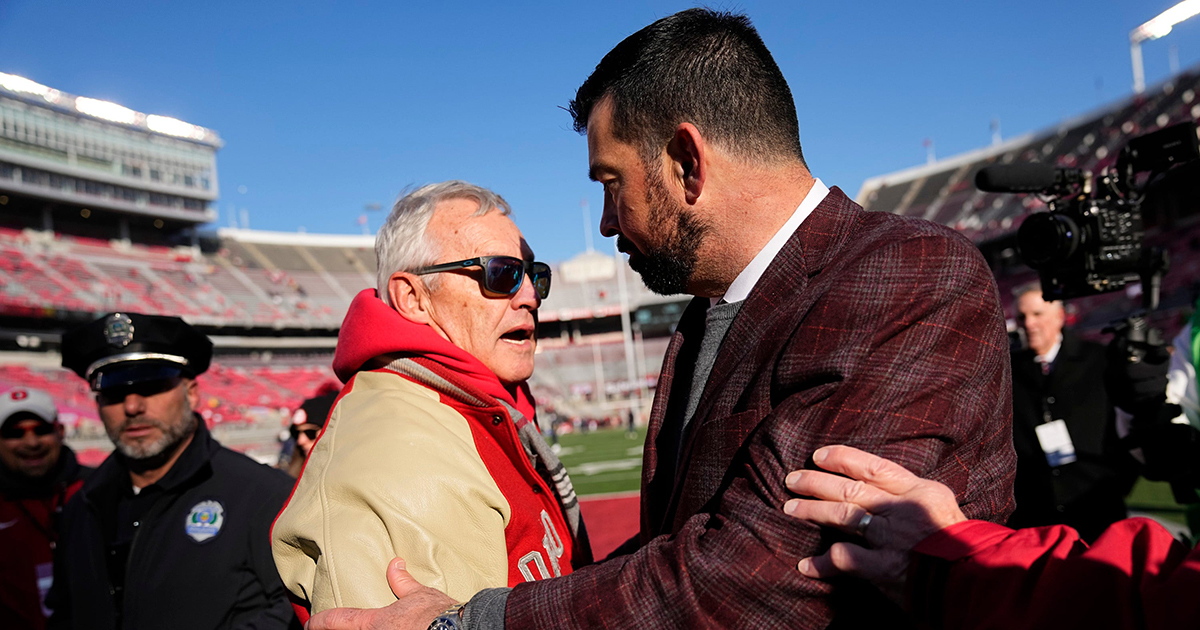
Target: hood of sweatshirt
x,y
372,329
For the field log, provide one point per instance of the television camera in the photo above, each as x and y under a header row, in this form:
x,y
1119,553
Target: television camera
x,y
1090,241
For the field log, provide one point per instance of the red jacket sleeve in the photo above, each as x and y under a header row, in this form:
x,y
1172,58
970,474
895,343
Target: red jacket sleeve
x,y
981,575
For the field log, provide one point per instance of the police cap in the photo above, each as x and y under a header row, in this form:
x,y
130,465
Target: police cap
x,y
126,348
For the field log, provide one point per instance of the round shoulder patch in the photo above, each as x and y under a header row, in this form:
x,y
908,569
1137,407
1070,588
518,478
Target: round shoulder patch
x,y
204,520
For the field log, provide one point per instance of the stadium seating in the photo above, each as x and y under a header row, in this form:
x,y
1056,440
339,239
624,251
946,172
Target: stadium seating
x,y
1090,142
42,273
229,393
944,192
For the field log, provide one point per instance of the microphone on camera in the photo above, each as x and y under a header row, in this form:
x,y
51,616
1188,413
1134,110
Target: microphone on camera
x,y
1026,178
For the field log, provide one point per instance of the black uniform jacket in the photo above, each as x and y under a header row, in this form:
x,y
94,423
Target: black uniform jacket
x,y
1089,493
200,555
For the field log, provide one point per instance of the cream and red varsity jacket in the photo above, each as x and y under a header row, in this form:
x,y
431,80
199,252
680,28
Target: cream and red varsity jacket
x,y
425,456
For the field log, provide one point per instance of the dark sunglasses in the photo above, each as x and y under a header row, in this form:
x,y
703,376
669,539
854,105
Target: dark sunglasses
x,y
311,434
118,393
12,431
502,275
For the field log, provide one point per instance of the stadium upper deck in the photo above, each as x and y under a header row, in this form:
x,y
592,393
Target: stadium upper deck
x,y
127,169
945,192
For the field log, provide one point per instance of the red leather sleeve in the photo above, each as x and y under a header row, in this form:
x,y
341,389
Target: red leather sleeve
x,y
981,575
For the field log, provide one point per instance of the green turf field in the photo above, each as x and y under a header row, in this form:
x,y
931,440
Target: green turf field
x,y
603,461
1154,497
607,461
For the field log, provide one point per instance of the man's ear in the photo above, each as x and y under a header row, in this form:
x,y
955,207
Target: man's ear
x,y
193,394
688,152
409,297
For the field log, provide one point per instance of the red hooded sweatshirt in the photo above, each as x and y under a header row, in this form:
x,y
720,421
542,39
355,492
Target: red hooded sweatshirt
x,y
544,535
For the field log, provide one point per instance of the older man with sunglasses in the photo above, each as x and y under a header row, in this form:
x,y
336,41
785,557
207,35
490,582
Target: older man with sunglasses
x,y
431,452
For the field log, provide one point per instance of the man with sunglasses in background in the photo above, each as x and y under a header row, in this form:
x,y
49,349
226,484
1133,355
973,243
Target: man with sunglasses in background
x,y
172,529
307,422
38,475
432,453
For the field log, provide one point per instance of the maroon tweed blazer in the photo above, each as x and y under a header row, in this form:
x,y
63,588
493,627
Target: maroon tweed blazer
x,y
870,329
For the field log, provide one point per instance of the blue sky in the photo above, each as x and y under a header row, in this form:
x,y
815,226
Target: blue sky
x,y
324,107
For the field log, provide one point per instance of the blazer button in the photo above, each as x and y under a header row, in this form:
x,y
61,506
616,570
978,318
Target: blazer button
x,y
537,489
497,419
1050,399
1060,508
1056,472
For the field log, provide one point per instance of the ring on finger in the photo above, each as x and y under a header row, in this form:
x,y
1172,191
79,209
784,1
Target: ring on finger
x,y
863,522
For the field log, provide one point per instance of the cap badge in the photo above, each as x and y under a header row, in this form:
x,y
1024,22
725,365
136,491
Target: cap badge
x,y
19,394
118,330
205,520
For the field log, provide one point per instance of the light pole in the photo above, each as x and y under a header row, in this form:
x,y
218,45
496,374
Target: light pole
x,y
1157,27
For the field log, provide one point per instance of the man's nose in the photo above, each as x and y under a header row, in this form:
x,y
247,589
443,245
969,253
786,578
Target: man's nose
x,y
526,296
609,225
135,404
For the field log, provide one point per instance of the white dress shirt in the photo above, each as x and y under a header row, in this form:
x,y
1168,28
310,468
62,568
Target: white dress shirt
x,y
744,283
1051,354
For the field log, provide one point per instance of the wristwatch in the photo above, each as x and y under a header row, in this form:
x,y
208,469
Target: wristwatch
x,y
451,619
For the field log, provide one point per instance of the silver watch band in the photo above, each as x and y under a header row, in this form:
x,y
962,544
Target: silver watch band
x,y
451,619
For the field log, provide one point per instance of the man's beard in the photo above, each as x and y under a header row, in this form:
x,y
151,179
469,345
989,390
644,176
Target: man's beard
x,y
151,455
667,269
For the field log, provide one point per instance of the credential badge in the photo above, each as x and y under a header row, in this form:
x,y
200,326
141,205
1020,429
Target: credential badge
x,y
118,330
205,520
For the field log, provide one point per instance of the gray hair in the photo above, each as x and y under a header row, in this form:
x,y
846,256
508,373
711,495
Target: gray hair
x,y
1032,287
403,245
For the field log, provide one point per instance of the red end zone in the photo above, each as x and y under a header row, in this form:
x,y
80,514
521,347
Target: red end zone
x,y
611,519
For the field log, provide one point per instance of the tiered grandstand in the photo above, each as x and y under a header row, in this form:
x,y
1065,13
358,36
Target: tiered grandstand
x,y
944,192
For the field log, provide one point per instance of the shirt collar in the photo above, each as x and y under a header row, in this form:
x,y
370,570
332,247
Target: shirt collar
x,y
1051,354
742,285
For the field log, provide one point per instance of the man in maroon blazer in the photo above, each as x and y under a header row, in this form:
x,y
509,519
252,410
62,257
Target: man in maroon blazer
x,y
814,323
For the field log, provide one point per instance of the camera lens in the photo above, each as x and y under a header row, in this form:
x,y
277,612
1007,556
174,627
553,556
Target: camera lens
x,y
1047,238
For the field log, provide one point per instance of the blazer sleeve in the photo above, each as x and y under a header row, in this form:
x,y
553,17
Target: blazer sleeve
x,y
913,366
977,574
393,475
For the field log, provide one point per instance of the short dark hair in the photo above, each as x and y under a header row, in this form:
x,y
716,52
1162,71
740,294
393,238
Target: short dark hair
x,y
700,66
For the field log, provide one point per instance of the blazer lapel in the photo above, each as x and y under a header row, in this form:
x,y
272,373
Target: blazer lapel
x,y
779,297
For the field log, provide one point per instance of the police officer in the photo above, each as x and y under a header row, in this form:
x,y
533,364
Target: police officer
x,y
172,530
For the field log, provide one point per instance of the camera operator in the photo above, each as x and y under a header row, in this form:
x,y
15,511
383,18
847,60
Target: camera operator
x,y
1155,391
1072,469
1182,391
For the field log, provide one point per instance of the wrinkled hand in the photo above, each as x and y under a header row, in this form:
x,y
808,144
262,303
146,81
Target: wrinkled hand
x,y
415,608
904,508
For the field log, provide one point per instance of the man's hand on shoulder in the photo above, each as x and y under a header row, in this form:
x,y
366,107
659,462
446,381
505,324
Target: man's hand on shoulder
x,y
415,608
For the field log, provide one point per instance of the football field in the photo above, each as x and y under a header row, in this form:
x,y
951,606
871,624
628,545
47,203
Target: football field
x,y
602,462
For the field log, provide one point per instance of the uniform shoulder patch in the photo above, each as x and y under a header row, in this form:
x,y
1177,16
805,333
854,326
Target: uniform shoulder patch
x,y
204,520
